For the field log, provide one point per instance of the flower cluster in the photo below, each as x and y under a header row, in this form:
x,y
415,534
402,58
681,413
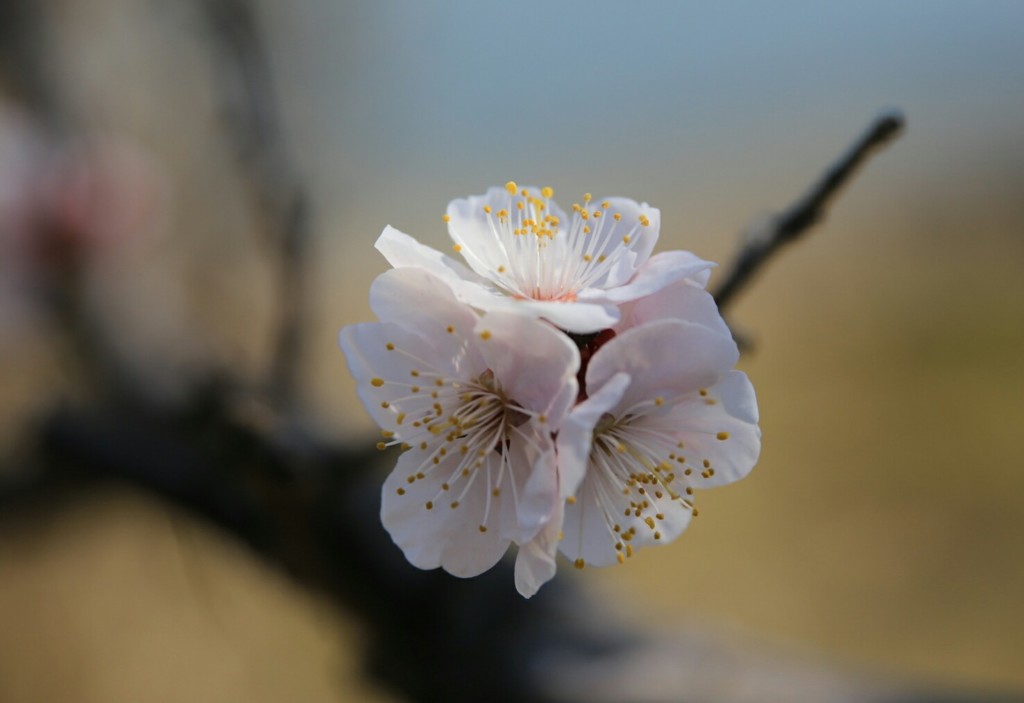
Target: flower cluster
x,y
563,389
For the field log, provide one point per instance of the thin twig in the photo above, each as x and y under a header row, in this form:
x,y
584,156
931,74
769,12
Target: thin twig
x,y
254,127
768,236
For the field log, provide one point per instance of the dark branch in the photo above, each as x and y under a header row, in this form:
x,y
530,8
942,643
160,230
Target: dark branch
x,y
768,236
254,128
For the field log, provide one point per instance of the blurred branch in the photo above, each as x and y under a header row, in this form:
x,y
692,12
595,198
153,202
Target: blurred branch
x,y
26,60
768,236
254,128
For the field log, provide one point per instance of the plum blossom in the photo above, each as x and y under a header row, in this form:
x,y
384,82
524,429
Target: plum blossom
x,y
666,415
563,389
473,402
524,254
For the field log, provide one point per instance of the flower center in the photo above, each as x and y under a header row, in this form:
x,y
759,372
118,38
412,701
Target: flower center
x,y
539,257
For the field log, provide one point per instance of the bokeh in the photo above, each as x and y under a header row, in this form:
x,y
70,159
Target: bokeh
x,y
882,528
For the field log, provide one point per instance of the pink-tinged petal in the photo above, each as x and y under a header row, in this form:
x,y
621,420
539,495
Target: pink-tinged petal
x,y
719,426
535,562
535,363
533,482
401,251
417,511
577,317
683,300
589,537
420,302
658,272
574,437
383,369
664,358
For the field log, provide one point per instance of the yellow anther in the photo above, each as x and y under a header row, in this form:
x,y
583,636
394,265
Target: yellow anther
x,y
659,401
483,528
449,329
722,436
390,346
587,197
501,269
579,563
385,404
571,500
547,192
586,229
429,505
617,216
454,504
377,382
456,248
487,209
446,218
485,335
606,204
627,239
619,556
381,446
587,257
644,220
511,187
400,491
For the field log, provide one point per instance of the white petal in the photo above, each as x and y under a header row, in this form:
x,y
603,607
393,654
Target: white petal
x,y
401,251
659,271
577,317
378,358
535,562
534,471
683,300
535,364
665,357
574,438
422,303
720,428
642,238
441,535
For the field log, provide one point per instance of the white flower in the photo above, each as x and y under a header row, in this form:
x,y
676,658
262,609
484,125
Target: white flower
x,y
473,401
666,415
524,254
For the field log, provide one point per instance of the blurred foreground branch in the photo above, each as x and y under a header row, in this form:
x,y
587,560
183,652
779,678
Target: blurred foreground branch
x,y
766,237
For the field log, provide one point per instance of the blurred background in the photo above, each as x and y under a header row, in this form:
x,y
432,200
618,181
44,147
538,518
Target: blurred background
x,y
883,527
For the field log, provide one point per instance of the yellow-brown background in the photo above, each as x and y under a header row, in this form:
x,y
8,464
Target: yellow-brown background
x,y
883,524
